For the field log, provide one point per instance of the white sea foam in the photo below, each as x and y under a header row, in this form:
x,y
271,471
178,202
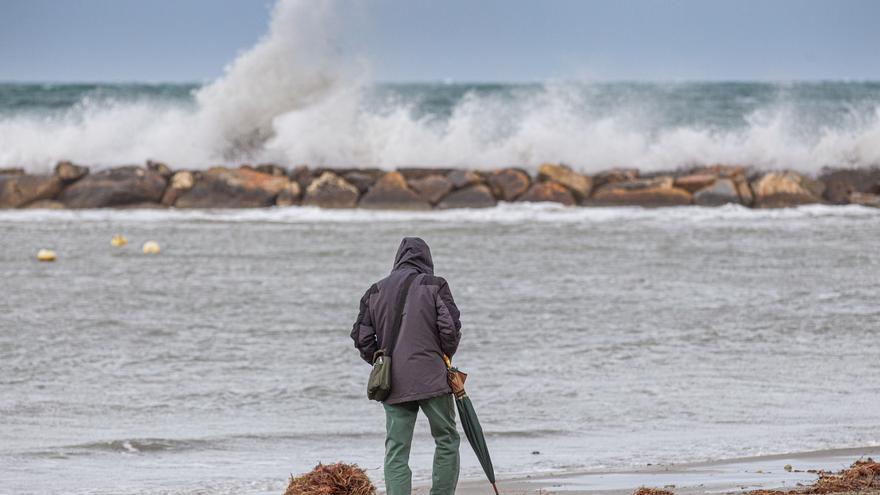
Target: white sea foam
x,y
294,98
504,213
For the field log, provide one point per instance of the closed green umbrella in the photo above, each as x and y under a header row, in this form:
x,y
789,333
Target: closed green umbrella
x,y
470,423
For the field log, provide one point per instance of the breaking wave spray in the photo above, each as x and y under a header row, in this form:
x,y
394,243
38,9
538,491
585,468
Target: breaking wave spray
x,y
295,97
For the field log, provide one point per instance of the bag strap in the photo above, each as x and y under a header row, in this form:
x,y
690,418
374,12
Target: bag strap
x,y
398,314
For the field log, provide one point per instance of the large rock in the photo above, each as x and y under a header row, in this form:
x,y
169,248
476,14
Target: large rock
x,y
180,183
614,175
432,188
746,196
70,172
160,168
509,183
655,192
719,192
865,199
221,187
391,192
694,182
146,205
415,173
552,192
580,185
302,175
289,196
114,187
476,196
363,179
20,190
463,178
331,191
784,189
272,169
45,204
720,170
841,183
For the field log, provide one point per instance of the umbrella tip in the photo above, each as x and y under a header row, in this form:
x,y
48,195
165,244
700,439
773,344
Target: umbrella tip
x,y
495,488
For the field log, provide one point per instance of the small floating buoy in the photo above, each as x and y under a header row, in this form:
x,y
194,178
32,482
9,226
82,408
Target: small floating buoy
x,y
118,240
45,255
151,247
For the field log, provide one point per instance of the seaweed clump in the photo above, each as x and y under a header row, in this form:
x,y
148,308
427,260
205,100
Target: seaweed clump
x,y
651,491
862,475
332,479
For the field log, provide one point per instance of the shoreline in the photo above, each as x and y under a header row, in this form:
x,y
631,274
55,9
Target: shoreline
x,y
733,475
157,186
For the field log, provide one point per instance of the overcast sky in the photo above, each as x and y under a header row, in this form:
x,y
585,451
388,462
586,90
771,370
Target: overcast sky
x,y
460,40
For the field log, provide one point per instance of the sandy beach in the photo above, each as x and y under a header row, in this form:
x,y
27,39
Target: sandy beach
x,y
723,476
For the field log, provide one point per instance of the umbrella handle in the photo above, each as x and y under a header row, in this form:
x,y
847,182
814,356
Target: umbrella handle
x,y
447,361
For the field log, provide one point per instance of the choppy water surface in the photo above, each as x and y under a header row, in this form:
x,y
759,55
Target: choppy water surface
x,y
594,338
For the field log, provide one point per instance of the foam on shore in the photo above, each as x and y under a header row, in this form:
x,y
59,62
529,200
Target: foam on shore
x,y
503,213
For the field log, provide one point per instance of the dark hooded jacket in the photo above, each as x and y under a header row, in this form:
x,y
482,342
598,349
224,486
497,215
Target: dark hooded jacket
x,y
430,326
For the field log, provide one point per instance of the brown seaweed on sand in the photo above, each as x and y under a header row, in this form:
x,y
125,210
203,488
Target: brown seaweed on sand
x,y
651,491
332,479
862,475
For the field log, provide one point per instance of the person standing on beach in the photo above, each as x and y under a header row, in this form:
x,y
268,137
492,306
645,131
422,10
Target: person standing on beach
x,y
429,328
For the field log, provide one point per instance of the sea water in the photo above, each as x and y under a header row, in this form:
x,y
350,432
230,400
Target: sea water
x,y
594,338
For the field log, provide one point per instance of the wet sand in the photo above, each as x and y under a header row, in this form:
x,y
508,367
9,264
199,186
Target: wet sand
x,y
724,476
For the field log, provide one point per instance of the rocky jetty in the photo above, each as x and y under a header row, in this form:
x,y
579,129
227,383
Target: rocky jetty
x,y
156,185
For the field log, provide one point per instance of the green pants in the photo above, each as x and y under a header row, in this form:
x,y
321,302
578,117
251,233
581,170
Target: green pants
x,y
400,419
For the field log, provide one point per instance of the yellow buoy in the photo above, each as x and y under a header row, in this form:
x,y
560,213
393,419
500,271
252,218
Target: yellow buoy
x,y
151,247
45,255
118,240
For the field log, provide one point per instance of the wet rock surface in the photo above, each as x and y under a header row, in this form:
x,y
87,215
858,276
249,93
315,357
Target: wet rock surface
x,y
475,196
331,191
18,191
180,183
391,192
509,183
719,192
464,178
114,187
220,187
362,179
655,192
579,185
424,188
841,183
551,192
290,195
865,199
70,172
784,189
694,182
432,187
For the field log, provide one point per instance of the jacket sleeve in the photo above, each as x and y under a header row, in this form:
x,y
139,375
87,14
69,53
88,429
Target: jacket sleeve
x,y
363,333
448,323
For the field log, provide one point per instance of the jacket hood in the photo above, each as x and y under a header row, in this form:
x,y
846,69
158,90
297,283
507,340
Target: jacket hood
x,y
414,253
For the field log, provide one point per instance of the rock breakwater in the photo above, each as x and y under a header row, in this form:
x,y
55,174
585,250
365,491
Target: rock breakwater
x,y
155,185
